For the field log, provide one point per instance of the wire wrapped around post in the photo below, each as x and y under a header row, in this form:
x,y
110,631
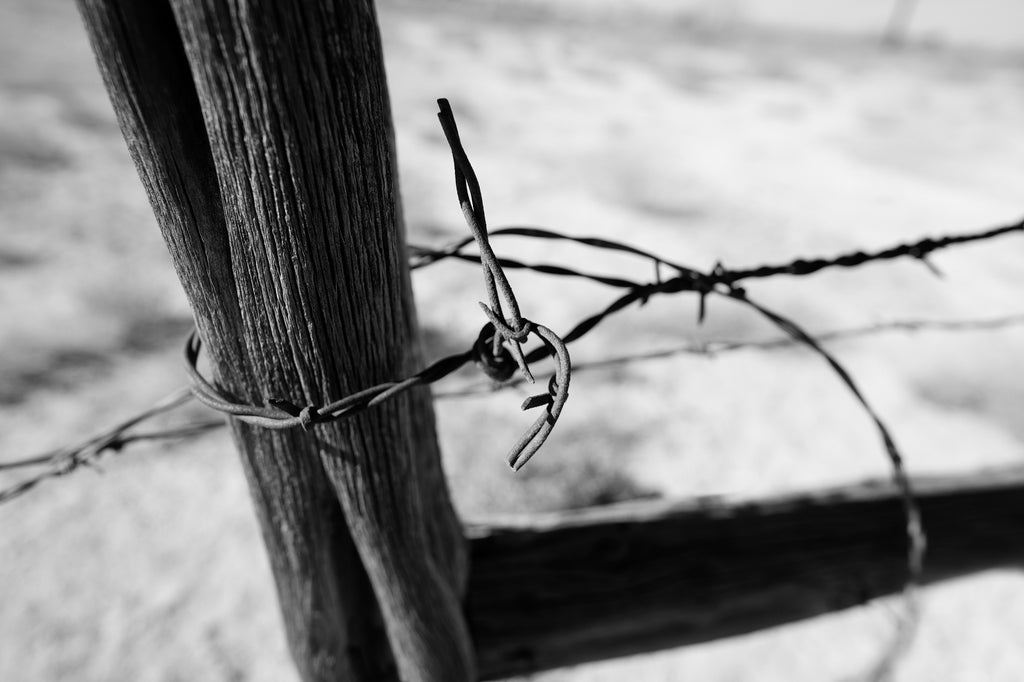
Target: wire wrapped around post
x,y
499,341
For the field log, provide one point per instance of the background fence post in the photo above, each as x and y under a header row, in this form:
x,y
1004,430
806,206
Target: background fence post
x,y
897,28
262,133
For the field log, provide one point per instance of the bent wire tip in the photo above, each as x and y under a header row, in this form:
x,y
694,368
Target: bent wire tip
x,y
530,443
536,401
553,401
516,329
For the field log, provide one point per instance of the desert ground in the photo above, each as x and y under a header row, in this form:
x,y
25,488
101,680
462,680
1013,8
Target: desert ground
x,y
698,141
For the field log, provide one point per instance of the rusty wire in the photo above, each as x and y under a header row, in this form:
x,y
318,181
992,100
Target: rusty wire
x,y
423,256
283,414
719,278
917,542
515,329
725,282
501,367
498,338
720,282
715,347
64,460
919,250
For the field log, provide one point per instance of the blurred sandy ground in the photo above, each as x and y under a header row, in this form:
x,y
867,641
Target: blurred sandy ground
x,y
693,135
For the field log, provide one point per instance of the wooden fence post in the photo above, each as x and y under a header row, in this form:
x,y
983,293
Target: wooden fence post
x,y
261,130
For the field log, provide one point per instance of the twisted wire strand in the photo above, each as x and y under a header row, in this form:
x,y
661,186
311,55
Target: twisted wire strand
x,y
498,351
471,202
725,282
282,414
714,347
496,365
917,542
919,250
516,328
421,256
505,337
688,278
62,461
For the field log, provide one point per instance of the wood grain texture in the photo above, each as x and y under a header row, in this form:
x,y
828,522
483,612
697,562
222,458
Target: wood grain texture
x,y
555,590
295,104
335,628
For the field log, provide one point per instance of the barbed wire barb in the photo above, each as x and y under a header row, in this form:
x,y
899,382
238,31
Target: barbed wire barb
x,y
505,336
63,461
515,329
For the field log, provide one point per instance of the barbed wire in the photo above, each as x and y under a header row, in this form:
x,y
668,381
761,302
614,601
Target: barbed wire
x,y
725,282
498,351
721,281
515,329
499,340
500,368
714,347
62,461
689,278
916,539
421,256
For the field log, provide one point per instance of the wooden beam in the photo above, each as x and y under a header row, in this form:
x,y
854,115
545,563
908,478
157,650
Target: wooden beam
x,y
262,132
331,619
295,101
556,590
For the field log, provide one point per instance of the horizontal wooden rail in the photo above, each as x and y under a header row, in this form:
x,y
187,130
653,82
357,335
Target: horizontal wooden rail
x,y
554,590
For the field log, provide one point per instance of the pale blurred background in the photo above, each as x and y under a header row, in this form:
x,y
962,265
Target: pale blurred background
x,y
747,131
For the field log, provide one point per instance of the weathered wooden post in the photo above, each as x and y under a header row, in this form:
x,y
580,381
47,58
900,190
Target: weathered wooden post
x,y
261,130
